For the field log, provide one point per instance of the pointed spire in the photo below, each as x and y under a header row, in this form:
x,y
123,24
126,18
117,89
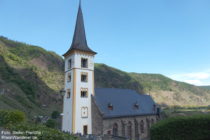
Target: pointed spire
x,y
79,40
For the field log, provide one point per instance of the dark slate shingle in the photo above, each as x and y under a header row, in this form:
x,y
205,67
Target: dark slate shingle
x,y
123,101
79,40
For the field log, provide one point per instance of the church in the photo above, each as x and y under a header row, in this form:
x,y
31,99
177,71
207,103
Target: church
x,y
100,111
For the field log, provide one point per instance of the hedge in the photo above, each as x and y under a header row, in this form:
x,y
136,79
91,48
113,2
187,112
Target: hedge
x,y
182,128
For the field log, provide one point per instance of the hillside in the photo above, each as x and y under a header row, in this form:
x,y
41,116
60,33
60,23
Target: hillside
x,y
164,90
31,77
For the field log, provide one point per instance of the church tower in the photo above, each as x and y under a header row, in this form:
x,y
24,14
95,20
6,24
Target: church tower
x,y
79,82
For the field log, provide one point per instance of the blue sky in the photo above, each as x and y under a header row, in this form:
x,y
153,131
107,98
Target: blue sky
x,y
170,37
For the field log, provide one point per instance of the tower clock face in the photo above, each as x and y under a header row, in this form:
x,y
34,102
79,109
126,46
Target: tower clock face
x,y
84,112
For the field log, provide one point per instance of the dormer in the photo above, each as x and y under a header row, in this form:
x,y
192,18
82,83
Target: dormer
x,y
136,105
110,106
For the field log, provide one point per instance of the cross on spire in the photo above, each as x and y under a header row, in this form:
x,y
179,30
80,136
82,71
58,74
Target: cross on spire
x,y
80,2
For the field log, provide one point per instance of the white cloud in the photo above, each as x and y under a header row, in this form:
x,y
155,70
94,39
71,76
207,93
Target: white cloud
x,y
194,82
199,75
196,75
195,78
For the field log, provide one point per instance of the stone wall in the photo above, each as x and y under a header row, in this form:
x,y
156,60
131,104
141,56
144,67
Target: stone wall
x,y
97,121
137,130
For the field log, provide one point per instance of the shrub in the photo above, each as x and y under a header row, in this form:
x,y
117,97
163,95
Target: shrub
x,y
55,114
45,133
51,123
15,121
182,128
11,117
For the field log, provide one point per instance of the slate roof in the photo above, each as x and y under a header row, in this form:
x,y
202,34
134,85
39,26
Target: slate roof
x,y
123,101
79,40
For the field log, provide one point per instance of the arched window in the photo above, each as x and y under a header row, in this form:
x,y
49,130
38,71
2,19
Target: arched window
x,y
148,124
123,128
142,126
136,129
152,121
115,129
108,132
129,129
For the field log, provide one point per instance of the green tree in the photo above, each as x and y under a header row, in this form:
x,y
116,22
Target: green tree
x,y
51,123
11,117
55,114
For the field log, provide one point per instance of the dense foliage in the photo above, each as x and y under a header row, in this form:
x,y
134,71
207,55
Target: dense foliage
x,y
182,128
11,117
16,121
